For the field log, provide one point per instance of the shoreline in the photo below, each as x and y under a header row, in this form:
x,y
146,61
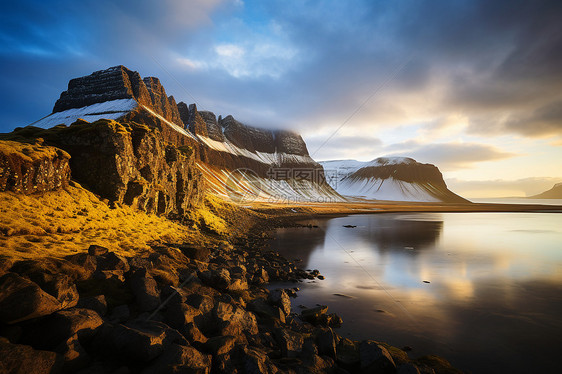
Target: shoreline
x,y
207,301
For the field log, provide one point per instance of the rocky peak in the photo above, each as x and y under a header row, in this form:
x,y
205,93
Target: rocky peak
x,y
290,142
116,83
161,103
250,138
184,113
213,129
195,122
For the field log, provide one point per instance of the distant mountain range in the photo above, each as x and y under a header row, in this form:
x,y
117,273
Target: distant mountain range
x,y
118,128
389,178
554,193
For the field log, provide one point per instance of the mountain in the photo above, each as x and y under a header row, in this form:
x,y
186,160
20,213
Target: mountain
x,y
389,178
239,161
554,193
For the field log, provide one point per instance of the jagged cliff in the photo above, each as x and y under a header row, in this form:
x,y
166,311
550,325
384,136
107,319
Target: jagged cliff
x,y
390,178
278,161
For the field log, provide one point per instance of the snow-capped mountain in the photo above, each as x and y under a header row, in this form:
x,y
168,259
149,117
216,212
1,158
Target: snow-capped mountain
x,y
236,160
389,178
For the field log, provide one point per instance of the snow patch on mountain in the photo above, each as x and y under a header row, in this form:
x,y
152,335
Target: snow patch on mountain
x,y
113,109
384,189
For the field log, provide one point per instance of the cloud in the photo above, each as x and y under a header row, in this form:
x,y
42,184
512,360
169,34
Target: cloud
x,y
501,187
479,67
346,147
544,121
450,156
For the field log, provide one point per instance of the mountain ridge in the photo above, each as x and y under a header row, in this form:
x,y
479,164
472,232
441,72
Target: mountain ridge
x,y
554,193
390,178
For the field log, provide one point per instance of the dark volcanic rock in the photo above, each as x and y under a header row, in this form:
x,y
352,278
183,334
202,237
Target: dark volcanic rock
x,y
28,168
180,359
114,83
161,103
214,131
290,142
183,111
375,358
130,164
49,332
195,123
22,299
139,341
250,138
23,359
145,289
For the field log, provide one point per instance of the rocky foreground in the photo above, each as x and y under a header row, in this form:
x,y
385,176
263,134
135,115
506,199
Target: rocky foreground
x,y
178,309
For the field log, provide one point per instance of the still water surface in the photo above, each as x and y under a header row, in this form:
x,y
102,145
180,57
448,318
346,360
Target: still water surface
x,y
494,298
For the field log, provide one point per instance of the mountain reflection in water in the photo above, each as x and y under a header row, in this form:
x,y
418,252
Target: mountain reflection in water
x,y
493,299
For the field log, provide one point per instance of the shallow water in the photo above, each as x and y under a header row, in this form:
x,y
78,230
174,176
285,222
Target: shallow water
x,y
494,298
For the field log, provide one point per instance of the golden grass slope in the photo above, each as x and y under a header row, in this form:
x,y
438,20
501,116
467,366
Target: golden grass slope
x,y
67,221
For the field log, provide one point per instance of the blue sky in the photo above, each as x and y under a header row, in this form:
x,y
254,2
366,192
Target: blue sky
x,y
474,87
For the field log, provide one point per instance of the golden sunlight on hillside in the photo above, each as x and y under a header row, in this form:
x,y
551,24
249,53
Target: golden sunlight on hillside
x,y
63,222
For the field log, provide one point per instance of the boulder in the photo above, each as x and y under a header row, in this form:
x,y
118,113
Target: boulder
x,y
254,361
314,315
74,355
220,345
138,341
326,342
47,333
407,368
145,289
290,342
63,289
27,168
5,265
375,358
180,314
22,299
219,279
23,359
87,263
231,318
97,250
281,299
112,261
120,314
180,359
347,353
266,311
196,253
95,303
192,333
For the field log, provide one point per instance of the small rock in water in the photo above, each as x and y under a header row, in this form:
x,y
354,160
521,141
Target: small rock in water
x,y
426,282
342,295
321,277
349,226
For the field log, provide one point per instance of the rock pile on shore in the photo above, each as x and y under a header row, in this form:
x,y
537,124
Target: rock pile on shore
x,y
179,309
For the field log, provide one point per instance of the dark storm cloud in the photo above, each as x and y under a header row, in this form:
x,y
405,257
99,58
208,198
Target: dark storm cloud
x,y
489,57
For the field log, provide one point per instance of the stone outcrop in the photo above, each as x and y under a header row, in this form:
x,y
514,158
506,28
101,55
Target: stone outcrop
x,y
32,167
162,104
116,83
221,144
129,164
202,323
